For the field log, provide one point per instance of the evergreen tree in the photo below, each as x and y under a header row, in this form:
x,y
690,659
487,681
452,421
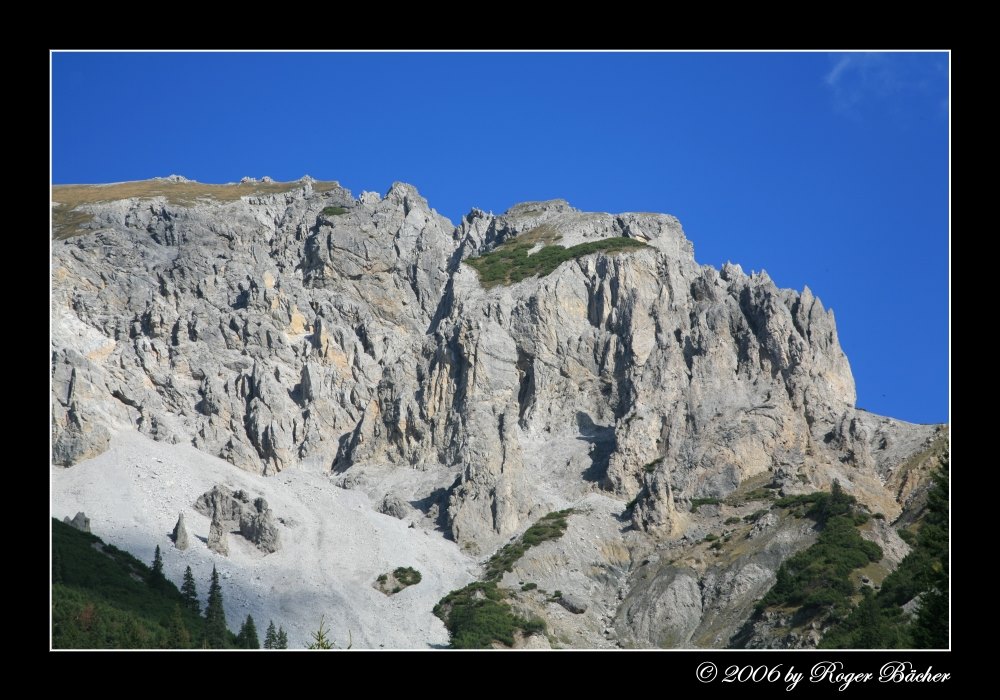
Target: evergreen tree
x,y
178,635
215,616
189,592
271,637
282,642
930,628
879,620
57,575
247,637
319,638
156,577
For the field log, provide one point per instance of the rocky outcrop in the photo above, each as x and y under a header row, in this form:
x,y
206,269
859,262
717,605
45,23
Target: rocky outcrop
x,y
394,506
218,536
257,525
179,535
234,510
574,604
80,521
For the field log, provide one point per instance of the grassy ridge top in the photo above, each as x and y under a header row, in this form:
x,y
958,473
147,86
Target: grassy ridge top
x,y
67,219
510,262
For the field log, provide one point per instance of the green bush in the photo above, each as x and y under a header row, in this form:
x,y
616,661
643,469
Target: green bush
x,y
756,515
407,576
732,520
477,616
711,537
549,527
530,586
334,211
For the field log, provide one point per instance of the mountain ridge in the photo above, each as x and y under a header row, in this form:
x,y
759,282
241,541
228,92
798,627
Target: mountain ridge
x,y
308,328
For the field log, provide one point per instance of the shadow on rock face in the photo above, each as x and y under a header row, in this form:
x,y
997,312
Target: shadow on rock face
x,y
602,446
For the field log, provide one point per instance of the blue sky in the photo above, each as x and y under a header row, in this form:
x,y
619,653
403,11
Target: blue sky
x,y
824,169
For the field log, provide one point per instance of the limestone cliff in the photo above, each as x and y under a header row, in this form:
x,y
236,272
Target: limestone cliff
x,y
301,326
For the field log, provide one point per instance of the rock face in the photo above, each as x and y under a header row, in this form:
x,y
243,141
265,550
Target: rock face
x,y
273,332
230,510
80,521
218,536
180,535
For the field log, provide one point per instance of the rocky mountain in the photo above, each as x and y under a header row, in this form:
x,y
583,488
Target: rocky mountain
x,y
293,326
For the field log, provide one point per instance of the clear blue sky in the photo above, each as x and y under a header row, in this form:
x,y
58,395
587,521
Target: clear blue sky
x,y
824,169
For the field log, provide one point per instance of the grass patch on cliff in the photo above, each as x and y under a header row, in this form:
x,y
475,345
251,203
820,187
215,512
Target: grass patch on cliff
x,y
478,615
510,262
68,220
548,527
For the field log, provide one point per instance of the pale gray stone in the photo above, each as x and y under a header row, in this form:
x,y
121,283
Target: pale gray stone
x,y
179,535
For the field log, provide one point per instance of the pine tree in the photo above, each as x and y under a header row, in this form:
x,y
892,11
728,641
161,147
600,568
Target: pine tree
x,y
319,638
247,637
156,577
178,635
282,642
271,637
189,592
215,615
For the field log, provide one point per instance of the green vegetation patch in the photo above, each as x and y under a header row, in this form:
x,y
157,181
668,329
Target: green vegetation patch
x,y
763,494
651,467
697,503
408,576
879,621
819,577
478,615
510,262
334,211
756,515
104,598
548,527
400,578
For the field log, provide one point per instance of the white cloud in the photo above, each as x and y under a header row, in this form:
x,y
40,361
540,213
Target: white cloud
x,y
856,80
834,75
